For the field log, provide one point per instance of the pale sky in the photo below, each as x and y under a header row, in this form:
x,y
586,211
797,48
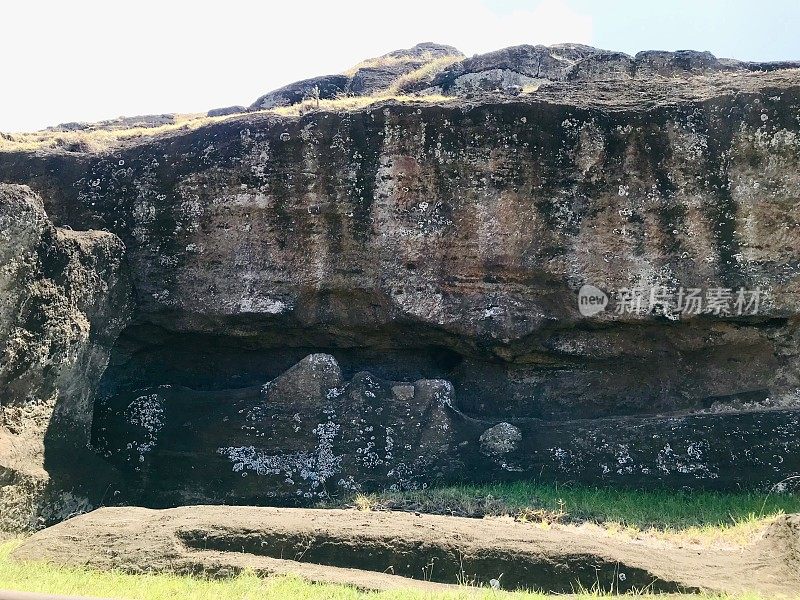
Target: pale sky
x,y
88,60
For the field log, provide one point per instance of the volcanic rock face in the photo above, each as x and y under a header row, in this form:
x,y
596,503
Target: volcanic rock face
x,y
304,435
64,302
459,246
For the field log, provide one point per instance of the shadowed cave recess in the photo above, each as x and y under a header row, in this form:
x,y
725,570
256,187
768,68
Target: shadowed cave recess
x,y
197,417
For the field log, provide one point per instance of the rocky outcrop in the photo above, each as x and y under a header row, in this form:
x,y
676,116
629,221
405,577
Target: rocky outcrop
x,y
379,74
601,66
509,70
439,68
325,87
227,110
514,68
64,302
372,76
606,273
684,62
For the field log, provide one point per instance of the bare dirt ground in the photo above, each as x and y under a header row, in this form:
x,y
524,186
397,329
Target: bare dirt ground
x,y
386,550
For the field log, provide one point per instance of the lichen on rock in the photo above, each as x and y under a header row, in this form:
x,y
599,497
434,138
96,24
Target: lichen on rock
x,y
65,298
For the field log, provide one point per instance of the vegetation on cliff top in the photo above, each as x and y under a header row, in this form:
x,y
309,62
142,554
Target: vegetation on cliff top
x,y
101,140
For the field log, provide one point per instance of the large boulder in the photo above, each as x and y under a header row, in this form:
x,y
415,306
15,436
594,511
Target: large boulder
x,y
379,74
682,62
514,66
603,65
324,88
226,110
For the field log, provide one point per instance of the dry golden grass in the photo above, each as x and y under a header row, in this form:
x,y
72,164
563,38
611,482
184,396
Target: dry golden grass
x,y
98,140
349,103
103,140
388,61
402,83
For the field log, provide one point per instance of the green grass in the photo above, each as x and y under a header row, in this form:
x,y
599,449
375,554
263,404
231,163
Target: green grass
x,y
735,515
47,579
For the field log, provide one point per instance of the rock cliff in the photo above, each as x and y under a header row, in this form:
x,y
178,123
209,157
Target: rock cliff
x,y
594,279
64,301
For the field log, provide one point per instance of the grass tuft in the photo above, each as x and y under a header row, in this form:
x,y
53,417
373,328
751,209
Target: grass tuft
x,y
403,83
693,516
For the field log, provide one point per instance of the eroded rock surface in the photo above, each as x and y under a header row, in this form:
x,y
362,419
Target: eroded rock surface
x,y
446,244
64,301
308,435
304,435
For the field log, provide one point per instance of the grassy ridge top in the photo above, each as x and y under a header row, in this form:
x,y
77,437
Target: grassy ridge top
x,y
95,141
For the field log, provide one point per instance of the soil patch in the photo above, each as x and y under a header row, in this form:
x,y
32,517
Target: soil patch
x,y
385,550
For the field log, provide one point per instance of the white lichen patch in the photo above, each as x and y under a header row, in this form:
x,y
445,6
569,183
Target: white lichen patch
x,y
263,305
147,413
306,471
691,462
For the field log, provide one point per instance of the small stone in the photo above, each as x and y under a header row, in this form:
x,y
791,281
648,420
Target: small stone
x,y
500,439
403,392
